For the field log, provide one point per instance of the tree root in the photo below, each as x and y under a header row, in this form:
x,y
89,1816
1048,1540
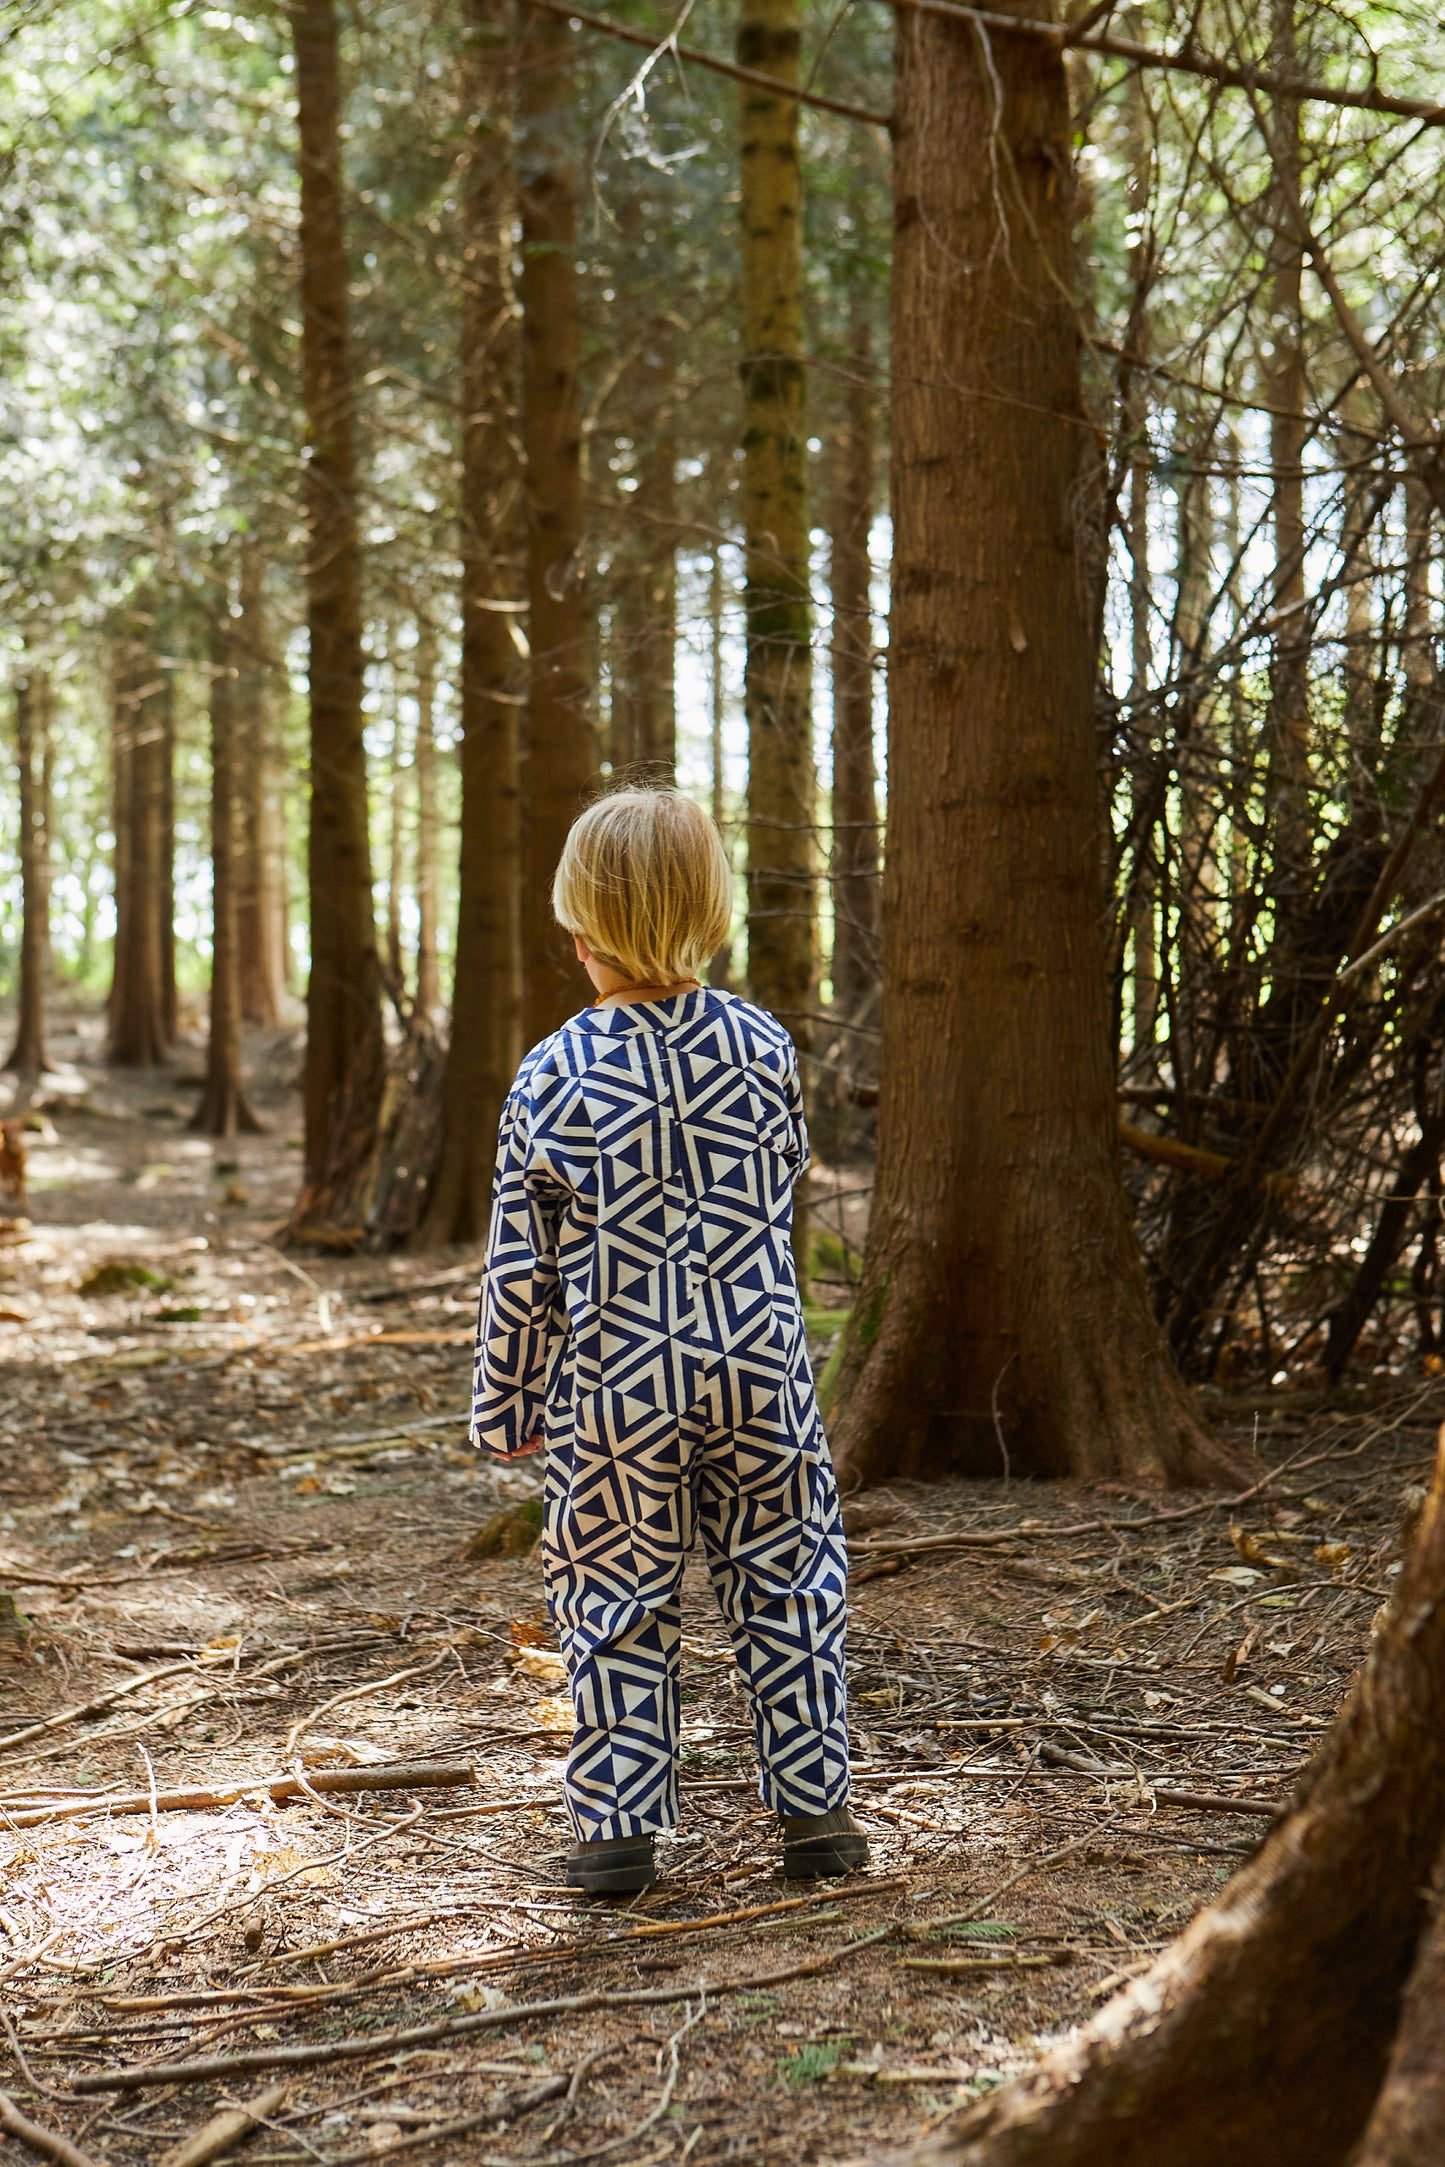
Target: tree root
x,y
1303,2013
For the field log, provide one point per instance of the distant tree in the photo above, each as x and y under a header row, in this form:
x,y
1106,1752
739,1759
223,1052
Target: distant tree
x,y
224,1109
140,997
32,753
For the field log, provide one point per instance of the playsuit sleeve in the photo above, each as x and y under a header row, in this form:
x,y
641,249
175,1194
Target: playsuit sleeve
x,y
799,1151
518,1298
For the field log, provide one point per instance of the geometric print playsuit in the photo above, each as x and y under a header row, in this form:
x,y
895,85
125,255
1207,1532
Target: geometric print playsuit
x,y
640,1309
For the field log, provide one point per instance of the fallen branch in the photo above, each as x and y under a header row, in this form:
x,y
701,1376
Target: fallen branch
x,y
1117,1771
514,2104
393,1776
224,2131
47,2142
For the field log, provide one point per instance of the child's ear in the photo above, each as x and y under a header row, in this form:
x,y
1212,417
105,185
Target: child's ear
x,y
584,953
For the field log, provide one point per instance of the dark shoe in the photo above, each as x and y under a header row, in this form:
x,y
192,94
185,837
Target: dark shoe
x,y
613,1866
822,1843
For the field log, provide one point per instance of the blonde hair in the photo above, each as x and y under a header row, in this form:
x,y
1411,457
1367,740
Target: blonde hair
x,y
644,880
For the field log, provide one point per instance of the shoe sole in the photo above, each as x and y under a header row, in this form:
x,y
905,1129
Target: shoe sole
x,y
820,1855
623,1875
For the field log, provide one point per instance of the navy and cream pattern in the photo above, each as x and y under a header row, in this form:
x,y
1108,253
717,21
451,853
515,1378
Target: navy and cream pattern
x,y
640,1309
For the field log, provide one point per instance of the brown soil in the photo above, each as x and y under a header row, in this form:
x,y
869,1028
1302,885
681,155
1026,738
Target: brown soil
x,y
267,1501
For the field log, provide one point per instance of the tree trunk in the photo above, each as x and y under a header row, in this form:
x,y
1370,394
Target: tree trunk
x,y
261,868
396,866
1289,711
29,1058
1002,1320
141,744
853,874
487,996
720,969
1264,2035
561,751
223,1108
644,698
424,759
345,1050
782,807
166,847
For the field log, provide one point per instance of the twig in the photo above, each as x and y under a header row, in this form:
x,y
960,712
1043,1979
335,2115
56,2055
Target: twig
x,y
47,2142
515,2103
141,2075
299,1729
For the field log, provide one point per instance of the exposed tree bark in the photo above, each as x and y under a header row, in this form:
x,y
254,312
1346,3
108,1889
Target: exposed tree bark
x,y
561,752
720,969
166,845
1407,2126
424,760
28,1057
261,901
1289,711
644,699
853,873
1264,2035
138,1036
396,838
345,1050
1003,1304
487,997
224,1109
782,787
1144,958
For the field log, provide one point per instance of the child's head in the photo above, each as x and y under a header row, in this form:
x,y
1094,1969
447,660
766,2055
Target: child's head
x,y
644,883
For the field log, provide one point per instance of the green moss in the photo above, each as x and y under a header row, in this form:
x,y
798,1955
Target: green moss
x,y
818,2059
121,1276
868,1316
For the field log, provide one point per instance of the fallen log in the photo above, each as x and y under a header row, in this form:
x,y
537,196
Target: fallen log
x,y
391,1776
1278,2030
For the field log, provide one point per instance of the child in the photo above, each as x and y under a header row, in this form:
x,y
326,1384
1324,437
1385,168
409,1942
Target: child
x,y
640,1317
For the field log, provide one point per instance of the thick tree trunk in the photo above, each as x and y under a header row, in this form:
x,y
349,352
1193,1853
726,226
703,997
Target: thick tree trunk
x,y
486,1024
261,909
1273,2034
138,1036
1002,1319
345,1050
424,760
561,750
224,1109
29,1058
782,789
853,873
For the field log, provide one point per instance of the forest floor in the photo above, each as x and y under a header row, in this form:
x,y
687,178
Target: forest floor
x,y
234,1499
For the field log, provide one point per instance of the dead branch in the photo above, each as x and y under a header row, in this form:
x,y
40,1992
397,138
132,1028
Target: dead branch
x,y
47,2142
223,2131
392,1776
1190,1159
